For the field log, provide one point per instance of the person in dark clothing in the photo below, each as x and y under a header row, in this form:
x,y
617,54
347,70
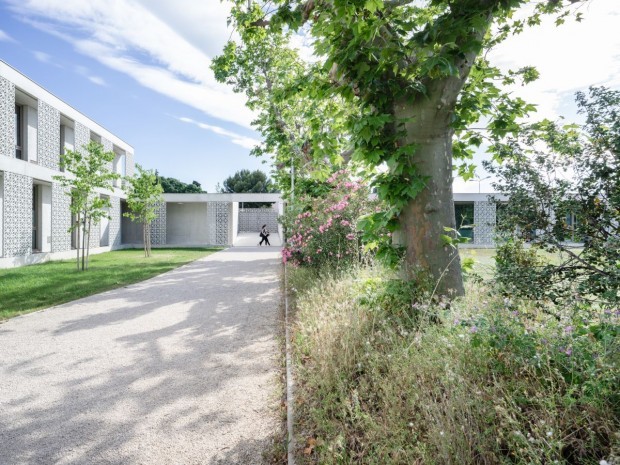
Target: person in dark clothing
x,y
264,234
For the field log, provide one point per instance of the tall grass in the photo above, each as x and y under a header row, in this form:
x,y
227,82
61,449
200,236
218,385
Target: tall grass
x,y
384,377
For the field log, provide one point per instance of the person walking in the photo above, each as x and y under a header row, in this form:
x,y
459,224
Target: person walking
x,y
264,234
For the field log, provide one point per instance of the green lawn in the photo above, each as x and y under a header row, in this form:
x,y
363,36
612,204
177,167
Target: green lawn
x,y
484,259
29,288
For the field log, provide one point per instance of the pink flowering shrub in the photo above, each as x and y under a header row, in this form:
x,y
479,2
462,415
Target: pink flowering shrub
x,y
323,230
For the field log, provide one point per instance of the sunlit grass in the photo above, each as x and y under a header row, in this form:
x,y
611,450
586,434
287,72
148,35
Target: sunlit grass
x,y
30,288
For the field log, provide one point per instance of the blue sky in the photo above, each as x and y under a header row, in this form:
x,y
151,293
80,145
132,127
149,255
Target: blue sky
x,y
140,68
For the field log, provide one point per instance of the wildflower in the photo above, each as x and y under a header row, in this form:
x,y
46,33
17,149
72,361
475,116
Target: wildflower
x,y
568,330
441,433
411,426
549,434
473,329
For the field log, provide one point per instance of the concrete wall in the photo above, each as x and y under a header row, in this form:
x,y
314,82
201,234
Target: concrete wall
x,y
252,219
186,224
44,231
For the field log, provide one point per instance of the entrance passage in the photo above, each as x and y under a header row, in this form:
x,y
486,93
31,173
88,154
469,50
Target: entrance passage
x,y
251,239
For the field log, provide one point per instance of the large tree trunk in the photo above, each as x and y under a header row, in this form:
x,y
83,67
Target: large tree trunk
x,y
424,218
426,127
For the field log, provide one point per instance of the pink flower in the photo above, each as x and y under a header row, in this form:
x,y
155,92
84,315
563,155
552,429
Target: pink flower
x,y
350,236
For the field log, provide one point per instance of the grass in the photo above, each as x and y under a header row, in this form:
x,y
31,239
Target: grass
x,y
30,288
382,380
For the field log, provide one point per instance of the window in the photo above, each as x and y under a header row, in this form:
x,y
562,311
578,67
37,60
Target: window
x,y
19,132
464,215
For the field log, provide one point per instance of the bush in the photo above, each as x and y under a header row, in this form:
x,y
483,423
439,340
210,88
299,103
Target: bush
x,y
563,188
322,231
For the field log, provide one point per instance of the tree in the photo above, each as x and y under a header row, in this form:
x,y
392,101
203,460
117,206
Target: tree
x,y
248,181
415,77
563,187
144,194
89,173
174,186
244,181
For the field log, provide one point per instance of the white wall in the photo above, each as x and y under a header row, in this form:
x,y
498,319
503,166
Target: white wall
x,y
235,221
104,230
186,224
45,218
31,120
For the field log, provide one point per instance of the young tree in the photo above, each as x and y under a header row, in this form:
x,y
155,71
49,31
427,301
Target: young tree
x,y
144,194
416,77
89,173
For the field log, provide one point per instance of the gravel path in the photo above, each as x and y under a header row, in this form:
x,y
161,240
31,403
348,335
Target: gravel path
x,y
179,369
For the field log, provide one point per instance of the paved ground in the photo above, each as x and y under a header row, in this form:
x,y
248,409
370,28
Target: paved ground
x,y
179,369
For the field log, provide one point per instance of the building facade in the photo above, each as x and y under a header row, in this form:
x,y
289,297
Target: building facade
x,y
36,128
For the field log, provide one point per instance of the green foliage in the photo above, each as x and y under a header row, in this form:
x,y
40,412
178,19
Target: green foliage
x,y
385,77
564,188
322,231
174,186
248,181
90,173
144,194
498,382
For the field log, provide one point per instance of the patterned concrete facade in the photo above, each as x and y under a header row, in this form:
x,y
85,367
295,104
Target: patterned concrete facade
x,y
17,177
484,221
48,136
219,217
7,116
82,137
158,226
17,214
252,219
61,218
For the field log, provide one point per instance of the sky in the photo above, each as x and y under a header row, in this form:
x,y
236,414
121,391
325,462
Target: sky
x,y
140,68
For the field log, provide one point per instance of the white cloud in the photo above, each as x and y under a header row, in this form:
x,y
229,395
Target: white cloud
x,y
156,42
42,56
4,37
569,57
243,141
97,80
84,71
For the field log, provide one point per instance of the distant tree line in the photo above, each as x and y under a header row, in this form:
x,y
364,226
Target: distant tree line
x,y
174,186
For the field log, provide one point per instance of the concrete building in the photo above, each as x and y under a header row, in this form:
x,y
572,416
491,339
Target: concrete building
x,y
35,129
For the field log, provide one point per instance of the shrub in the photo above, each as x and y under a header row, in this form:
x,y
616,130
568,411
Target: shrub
x,y
564,188
322,231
